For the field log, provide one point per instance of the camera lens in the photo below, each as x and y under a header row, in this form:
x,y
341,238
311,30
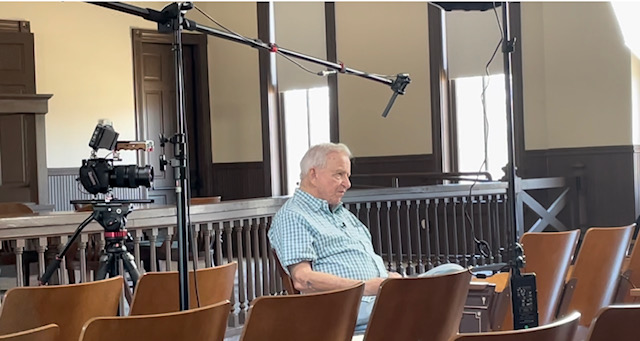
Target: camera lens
x,y
131,176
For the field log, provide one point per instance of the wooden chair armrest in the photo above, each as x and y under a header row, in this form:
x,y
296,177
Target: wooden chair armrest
x,y
567,295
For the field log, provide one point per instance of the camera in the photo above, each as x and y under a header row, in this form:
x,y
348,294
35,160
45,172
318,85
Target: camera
x,y
99,175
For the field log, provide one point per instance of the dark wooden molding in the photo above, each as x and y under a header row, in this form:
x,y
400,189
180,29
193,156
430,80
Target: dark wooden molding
x,y
604,179
24,103
439,81
19,26
238,180
332,56
269,105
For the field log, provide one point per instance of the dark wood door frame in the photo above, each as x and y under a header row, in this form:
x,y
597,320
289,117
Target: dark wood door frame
x,y
201,86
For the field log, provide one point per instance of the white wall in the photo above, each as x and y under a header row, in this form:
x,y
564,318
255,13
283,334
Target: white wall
x,y
385,38
472,36
83,57
300,27
577,76
234,84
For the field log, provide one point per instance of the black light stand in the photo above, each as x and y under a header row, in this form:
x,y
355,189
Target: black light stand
x,y
171,19
523,286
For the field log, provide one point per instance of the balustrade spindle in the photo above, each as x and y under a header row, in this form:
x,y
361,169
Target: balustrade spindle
x,y
378,230
388,228
472,223
257,273
399,266
436,230
42,248
410,263
445,219
490,227
454,231
82,251
19,251
228,231
427,233
167,248
217,250
249,256
62,273
242,295
153,238
137,237
206,238
264,255
465,229
418,237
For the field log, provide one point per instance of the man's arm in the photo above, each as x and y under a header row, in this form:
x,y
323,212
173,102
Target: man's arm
x,y
307,281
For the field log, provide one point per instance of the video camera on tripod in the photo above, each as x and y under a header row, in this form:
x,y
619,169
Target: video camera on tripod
x,y
100,175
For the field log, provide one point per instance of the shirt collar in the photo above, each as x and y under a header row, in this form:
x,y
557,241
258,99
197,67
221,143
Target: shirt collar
x,y
314,203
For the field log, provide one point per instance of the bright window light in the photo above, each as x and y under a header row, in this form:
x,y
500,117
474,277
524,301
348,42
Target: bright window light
x,y
306,123
627,14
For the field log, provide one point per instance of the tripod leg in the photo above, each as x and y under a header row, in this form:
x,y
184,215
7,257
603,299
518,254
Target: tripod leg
x,y
106,263
130,266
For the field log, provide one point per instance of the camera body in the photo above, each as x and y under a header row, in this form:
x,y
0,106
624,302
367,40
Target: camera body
x,y
99,175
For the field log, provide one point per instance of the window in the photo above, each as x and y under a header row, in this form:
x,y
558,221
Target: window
x,y
481,126
306,123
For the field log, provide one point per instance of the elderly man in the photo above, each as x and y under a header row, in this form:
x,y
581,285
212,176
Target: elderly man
x,y
320,243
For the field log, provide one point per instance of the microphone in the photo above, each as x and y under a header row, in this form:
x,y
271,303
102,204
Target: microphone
x,y
398,86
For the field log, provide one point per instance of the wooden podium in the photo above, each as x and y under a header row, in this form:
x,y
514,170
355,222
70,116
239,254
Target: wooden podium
x,y
23,158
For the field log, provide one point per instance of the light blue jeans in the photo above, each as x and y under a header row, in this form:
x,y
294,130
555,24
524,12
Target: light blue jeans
x,y
366,307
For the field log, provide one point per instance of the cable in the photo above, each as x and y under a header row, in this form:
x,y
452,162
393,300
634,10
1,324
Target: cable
x,y
483,245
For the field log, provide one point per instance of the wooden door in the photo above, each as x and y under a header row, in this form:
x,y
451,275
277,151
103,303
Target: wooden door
x,y
154,69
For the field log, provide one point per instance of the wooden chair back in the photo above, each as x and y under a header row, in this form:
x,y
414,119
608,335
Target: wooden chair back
x,y
560,330
630,277
597,271
616,322
11,209
329,315
157,292
549,255
68,306
45,333
424,308
199,324
287,282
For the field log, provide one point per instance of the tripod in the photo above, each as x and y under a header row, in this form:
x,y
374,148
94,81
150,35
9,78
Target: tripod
x,y
112,216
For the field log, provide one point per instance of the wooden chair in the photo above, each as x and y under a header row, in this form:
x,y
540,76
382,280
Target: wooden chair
x,y
549,256
596,272
616,322
424,308
329,315
14,209
560,330
68,306
45,333
287,282
630,277
157,292
199,324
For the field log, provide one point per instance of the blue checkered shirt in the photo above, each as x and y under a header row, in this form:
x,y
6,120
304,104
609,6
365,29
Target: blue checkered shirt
x,y
334,241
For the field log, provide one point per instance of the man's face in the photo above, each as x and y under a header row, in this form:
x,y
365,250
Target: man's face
x,y
332,181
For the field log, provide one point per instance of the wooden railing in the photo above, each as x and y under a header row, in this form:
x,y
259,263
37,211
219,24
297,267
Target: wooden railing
x,y
413,228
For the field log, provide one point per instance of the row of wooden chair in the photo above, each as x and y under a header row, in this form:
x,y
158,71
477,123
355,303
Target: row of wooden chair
x,y
615,322
601,274
71,306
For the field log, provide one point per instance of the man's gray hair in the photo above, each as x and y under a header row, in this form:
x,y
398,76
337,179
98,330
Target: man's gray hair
x,y
316,156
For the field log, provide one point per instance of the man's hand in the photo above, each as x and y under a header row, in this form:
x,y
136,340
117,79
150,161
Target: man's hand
x,y
371,286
